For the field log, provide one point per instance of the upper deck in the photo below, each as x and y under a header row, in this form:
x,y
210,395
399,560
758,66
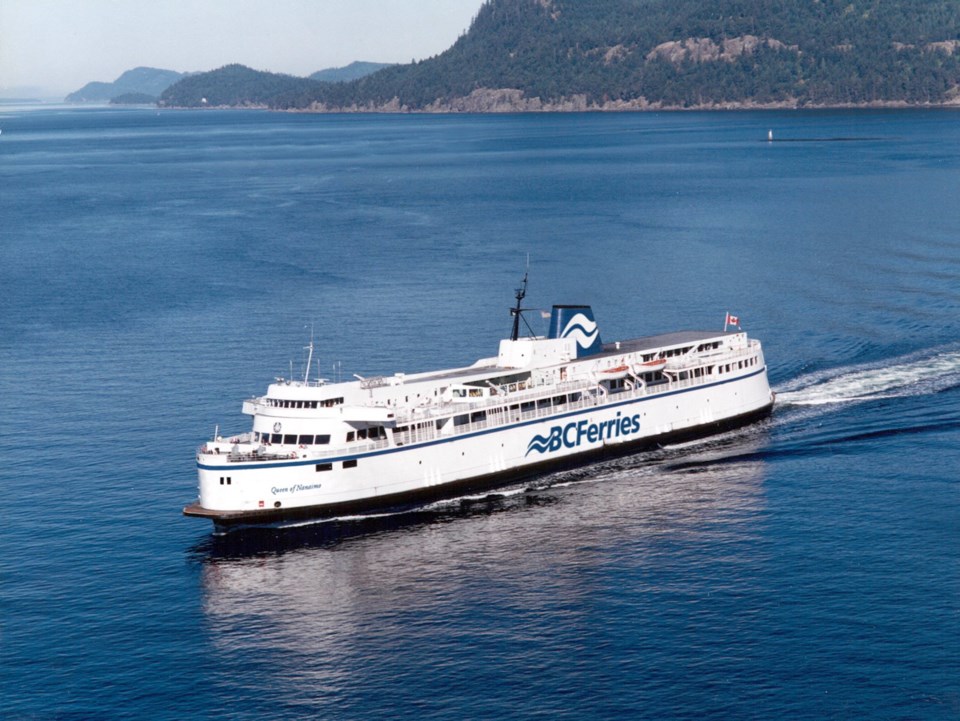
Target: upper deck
x,y
381,398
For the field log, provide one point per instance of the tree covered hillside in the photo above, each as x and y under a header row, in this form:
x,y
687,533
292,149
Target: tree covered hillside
x,y
577,54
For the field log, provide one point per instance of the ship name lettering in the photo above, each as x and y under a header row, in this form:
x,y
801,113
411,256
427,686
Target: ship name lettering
x,y
295,488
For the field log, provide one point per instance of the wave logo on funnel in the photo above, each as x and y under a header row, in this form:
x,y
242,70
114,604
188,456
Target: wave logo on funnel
x,y
582,329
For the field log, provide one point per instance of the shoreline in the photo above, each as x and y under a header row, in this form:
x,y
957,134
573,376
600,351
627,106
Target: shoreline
x,y
651,108
509,100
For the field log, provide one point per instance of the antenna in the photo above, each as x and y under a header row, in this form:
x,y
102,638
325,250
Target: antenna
x,y
521,293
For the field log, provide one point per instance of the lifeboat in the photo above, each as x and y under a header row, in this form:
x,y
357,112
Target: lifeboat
x,y
620,371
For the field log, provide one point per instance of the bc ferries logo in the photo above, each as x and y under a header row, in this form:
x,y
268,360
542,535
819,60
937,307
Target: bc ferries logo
x,y
582,329
576,432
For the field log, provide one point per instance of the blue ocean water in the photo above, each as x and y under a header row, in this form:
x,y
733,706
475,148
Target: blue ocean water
x,y
157,268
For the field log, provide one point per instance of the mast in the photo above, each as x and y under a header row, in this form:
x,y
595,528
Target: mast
x,y
521,293
306,372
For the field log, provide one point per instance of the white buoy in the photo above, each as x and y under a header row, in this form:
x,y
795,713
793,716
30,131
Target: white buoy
x,y
770,136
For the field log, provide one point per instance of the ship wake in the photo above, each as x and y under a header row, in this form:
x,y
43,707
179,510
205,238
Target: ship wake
x,y
923,373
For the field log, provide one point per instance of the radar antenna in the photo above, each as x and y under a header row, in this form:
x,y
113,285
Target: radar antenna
x,y
517,312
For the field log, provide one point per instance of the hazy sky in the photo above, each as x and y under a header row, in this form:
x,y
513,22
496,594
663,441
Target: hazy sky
x,y
60,45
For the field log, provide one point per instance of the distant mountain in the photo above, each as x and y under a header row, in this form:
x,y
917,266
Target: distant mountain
x,y
353,71
143,81
649,54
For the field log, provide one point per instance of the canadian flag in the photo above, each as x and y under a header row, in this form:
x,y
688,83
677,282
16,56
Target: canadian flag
x,y
731,320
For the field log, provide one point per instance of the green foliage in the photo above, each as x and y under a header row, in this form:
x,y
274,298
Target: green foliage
x,y
805,52
349,72
234,85
134,99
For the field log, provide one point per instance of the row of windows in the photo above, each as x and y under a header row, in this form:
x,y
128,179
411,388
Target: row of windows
x,y
739,365
291,439
281,403
467,392
681,351
329,466
373,433
416,427
727,368
695,373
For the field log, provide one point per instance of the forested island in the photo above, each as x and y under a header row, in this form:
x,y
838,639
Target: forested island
x,y
521,55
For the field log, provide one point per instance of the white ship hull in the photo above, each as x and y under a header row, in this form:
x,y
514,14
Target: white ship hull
x,y
462,432
392,478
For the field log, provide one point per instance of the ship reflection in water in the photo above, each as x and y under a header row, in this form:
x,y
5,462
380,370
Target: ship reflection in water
x,y
558,568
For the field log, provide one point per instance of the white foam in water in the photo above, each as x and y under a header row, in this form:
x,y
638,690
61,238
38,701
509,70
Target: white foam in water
x,y
911,375
498,493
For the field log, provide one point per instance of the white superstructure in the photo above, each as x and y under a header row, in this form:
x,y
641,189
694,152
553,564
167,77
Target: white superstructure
x,y
319,449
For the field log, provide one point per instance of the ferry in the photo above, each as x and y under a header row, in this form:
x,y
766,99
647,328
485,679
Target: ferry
x,y
320,449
